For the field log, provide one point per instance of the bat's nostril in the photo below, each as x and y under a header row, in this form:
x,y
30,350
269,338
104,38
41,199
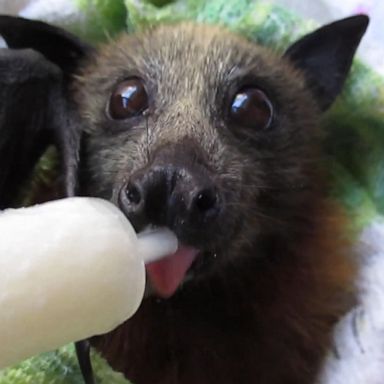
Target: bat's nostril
x,y
131,201
133,194
206,200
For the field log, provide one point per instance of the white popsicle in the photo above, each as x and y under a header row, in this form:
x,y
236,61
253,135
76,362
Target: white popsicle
x,y
69,269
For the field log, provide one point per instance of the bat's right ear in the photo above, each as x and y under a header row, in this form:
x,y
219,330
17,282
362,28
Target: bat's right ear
x,y
325,56
66,52
57,45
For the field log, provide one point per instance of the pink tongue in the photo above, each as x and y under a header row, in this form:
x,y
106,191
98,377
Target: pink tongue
x,y
167,274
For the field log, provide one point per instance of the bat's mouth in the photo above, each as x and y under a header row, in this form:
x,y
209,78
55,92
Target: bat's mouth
x,y
166,275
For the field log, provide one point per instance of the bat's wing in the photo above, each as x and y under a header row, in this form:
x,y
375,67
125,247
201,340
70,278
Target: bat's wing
x,y
36,111
29,93
35,105
56,44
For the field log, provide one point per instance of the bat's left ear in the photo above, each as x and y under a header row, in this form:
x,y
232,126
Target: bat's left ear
x,y
325,56
57,45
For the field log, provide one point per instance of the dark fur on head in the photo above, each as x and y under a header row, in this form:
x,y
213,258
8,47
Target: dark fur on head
x,y
260,302
188,115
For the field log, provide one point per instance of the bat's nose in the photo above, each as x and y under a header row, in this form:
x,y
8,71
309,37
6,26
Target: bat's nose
x,y
183,198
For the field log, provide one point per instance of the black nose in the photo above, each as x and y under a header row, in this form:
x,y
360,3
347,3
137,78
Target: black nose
x,y
183,199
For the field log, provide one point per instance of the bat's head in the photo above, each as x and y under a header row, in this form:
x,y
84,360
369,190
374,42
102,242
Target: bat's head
x,y
195,128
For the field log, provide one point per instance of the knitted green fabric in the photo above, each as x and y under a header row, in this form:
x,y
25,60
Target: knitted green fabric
x,y
59,367
354,125
101,18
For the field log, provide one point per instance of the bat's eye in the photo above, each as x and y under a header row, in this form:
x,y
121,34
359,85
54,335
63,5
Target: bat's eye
x,y
129,99
251,108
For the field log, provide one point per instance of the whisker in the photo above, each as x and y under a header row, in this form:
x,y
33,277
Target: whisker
x,y
259,188
259,214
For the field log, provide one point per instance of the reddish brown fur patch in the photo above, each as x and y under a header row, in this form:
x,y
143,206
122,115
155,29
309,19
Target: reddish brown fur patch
x,y
263,321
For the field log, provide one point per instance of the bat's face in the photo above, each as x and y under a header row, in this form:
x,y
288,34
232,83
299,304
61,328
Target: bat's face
x,y
196,129
187,126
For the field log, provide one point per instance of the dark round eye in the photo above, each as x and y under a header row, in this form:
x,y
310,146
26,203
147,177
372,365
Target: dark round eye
x,y
251,108
129,99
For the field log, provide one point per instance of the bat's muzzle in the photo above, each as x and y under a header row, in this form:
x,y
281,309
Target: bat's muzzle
x,y
184,198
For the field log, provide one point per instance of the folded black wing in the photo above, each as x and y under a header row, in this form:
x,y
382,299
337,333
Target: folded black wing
x,y
35,104
30,97
36,111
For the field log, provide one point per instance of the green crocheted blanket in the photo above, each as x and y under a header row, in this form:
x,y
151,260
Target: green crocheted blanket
x,y
355,129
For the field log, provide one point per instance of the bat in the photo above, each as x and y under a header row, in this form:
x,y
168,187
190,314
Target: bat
x,y
198,129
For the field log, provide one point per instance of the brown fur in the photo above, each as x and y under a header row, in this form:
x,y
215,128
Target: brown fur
x,y
263,309
260,321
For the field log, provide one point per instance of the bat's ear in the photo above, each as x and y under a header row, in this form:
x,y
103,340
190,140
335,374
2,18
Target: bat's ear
x,y
66,52
57,45
325,56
